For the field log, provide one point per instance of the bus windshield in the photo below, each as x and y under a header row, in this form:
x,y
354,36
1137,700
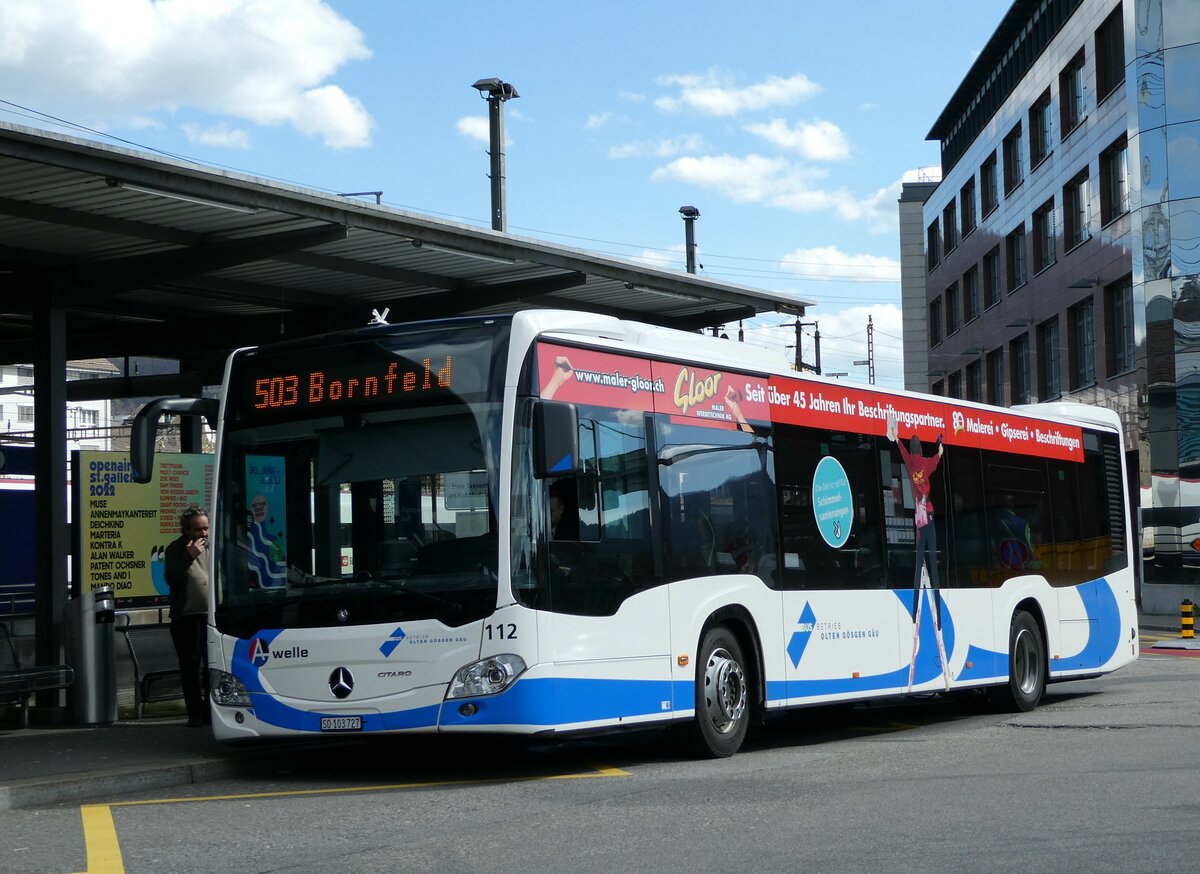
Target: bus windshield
x,y
357,483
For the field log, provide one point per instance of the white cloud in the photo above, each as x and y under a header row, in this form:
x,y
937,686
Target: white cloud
x,y
818,141
673,258
784,184
263,61
923,174
477,127
664,148
829,262
597,120
716,92
218,135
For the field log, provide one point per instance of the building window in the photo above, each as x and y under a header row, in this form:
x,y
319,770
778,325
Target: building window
x,y
966,205
989,196
1075,211
24,376
995,372
1014,246
87,418
1039,129
952,310
938,387
24,414
949,229
1110,54
954,386
932,255
935,321
1114,181
1049,381
1019,356
970,287
991,278
974,382
1118,306
1081,348
1071,94
1013,172
1043,236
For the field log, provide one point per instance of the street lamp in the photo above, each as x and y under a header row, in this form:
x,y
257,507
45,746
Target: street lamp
x,y
495,92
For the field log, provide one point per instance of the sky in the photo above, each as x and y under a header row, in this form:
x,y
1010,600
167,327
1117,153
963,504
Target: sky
x,y
789,125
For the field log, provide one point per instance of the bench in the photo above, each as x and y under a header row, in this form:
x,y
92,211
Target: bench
x,y
18,684
156,674
16,599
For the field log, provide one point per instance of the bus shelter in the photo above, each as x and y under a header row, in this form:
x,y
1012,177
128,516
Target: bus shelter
x,y
112,253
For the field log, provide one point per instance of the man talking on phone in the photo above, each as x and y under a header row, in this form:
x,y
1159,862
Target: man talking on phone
x,y
186,572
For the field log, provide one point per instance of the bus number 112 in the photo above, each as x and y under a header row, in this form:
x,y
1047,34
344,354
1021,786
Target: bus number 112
x,y
503,631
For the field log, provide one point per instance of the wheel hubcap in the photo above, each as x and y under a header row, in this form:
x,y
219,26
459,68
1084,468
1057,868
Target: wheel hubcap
x,y
724,691
1027,667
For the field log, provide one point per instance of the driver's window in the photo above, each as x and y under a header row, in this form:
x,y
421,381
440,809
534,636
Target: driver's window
x,y
604,557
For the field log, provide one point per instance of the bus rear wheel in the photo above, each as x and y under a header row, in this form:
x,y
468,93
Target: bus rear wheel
x,y
1026,667
722,696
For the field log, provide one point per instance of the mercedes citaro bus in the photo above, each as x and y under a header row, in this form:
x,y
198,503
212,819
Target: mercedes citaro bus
x,y
565,523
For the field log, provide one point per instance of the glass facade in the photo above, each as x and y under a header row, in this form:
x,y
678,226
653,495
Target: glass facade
x,y
1087,242
1160,314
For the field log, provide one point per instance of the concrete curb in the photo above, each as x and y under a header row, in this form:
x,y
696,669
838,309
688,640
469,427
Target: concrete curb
x,y
97,784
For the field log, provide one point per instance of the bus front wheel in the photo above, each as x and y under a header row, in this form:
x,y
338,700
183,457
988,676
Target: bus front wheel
x,y
1026,667
722,696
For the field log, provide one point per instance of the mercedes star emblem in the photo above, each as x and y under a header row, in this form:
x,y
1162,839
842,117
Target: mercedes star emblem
x,y
343,615
341,682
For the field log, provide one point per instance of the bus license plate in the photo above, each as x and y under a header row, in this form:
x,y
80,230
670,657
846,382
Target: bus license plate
x,y
341,723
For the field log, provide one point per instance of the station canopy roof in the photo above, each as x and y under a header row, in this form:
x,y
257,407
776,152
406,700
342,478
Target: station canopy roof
x,y
150,256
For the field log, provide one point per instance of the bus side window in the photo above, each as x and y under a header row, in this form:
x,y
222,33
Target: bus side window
x,y
809,561
607,558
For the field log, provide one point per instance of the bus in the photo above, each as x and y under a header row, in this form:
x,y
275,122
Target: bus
x,y
566,523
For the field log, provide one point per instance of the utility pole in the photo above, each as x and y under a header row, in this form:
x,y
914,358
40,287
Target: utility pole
x,y
495,92
870,359
800,365
870,351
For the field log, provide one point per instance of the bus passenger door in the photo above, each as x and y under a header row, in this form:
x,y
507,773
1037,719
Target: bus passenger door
x,y
609,621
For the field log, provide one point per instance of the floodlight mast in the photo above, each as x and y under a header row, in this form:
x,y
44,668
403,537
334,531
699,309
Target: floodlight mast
x,y
495,92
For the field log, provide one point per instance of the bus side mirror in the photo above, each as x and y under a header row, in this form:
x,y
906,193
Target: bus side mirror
x,y
145,429
555,439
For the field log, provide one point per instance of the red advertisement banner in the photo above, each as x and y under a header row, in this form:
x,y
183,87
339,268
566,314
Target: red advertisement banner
x,y
727,399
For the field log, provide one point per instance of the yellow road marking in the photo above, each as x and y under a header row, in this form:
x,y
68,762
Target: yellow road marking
x,y
601,771
100,839
104,852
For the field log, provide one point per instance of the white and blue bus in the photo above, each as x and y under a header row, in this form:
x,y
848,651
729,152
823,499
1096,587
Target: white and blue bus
x,y
565,523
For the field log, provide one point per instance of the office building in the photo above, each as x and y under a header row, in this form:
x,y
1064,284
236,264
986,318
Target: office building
x,y
1062,246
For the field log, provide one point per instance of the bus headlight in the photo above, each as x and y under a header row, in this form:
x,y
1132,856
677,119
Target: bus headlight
x,y
227,690
486,676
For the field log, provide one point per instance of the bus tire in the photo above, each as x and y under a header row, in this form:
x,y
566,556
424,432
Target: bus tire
x,y
722,696
1026,667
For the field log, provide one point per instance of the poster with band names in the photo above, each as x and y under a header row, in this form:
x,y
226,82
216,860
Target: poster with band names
x,y
124,527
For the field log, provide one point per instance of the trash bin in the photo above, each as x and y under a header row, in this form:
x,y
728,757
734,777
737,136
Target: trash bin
x,y
93,695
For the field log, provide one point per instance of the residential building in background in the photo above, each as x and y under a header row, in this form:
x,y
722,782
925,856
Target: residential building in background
x,y
1061,260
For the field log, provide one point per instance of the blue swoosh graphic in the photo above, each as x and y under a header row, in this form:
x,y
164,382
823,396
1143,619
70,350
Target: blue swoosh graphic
x,y
557,700
1104,628
270,710
928,665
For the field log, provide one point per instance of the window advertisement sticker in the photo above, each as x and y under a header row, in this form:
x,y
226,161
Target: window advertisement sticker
x,y
266,520
832,502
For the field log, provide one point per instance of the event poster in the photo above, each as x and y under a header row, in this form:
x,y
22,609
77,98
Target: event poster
x,y
124,527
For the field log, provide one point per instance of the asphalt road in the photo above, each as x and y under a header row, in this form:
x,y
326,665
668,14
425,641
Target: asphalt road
x,y
1104,776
